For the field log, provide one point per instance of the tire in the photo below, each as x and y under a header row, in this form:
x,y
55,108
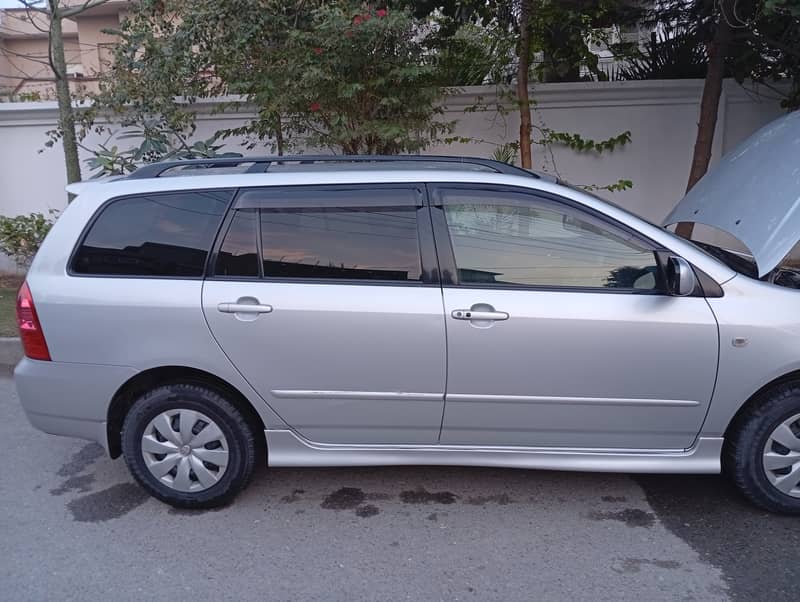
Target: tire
x,y
743,457
163,412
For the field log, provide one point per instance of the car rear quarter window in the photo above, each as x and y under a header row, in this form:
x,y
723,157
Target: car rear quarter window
x,y
164,234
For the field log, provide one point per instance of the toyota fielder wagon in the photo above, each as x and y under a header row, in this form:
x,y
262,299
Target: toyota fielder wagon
x,y
354,311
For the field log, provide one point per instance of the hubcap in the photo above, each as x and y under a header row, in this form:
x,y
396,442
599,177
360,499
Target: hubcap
x,y
185,450
782,457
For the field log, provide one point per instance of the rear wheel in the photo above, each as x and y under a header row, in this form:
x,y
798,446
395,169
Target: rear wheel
x,y
188,446
762,453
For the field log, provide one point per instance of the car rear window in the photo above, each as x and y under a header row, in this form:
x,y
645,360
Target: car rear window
x,y
164,234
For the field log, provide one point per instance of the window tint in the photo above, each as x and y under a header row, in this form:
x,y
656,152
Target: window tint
x,y
364,243
541,244
153,235
238,255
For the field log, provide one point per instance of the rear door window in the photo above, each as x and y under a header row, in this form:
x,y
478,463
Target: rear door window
x,y
362,234
238,254
163,234
350,243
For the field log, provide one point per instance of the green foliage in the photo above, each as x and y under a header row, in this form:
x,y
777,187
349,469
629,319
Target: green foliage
x,y
21,236
363,82
782,7
563,33
507,153
342,75
678,56
111,161
33,96
767,49
476,55
157,143
580,144
617,186
765,38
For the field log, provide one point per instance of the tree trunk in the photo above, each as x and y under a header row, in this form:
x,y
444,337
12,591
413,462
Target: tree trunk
x,y
279,143
523,98
66,117
709,108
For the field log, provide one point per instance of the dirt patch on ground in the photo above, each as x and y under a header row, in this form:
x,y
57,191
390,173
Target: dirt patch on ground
x,y
11,281
8,317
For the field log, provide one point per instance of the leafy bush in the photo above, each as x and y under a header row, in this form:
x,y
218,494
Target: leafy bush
x,y
21,236
157,143
348,76
681,56
507,153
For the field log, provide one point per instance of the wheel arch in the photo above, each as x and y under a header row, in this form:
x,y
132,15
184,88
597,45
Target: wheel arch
x,y
164,375
757,398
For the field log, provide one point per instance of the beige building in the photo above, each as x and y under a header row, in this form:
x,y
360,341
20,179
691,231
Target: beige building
x,y
25,72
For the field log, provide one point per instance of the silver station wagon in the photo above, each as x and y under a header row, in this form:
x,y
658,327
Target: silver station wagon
x,y
199,317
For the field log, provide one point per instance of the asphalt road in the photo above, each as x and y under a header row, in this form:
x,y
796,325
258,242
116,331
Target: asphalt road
x,y
73,526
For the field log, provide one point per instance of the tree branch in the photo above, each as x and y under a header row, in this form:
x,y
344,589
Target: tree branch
x,y
791,50
76,10
29,19
35,59
28,5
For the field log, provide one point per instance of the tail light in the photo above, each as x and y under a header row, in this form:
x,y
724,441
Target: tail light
x,y
30,329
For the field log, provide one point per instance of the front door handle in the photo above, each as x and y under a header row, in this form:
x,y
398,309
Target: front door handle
x,y
470,314
244,308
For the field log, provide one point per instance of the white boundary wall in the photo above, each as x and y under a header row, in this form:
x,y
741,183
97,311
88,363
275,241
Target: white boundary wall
x,y
661,116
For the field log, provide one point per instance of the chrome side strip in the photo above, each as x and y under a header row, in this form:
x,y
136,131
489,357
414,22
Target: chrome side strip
x,y
286,448
531,399
603,401
383,395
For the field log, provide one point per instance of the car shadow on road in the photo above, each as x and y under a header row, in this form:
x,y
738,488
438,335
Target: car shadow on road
x,y
758,552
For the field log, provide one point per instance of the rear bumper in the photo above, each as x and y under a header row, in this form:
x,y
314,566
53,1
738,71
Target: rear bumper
x,y
69,399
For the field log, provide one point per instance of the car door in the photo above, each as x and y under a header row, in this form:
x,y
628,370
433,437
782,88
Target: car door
x,y
559,331
327,300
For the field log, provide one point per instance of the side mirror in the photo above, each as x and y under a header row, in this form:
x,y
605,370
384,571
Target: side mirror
x,y
681,279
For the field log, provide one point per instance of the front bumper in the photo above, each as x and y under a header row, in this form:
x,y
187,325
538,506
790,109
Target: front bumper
x,y
69,399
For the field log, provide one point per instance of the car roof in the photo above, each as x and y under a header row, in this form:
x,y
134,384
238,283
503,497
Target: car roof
x,y
111,187
256,164
314,164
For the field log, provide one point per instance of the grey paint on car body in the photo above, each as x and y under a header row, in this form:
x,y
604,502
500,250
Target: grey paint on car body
x,y
654,400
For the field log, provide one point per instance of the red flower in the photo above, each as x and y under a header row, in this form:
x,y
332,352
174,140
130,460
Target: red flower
x,y
381,12
317,50
314,107
366,17
357,20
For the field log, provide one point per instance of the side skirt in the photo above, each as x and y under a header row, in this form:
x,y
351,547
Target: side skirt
x,y
286,448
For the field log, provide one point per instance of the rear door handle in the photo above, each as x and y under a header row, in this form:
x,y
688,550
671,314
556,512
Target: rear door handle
x,y
468,314
244,308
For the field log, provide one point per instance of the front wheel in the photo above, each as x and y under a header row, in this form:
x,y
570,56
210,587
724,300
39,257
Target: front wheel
x,y
188,446
762,453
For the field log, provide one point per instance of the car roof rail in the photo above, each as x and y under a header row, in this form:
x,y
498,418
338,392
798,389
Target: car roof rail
x,y
262,164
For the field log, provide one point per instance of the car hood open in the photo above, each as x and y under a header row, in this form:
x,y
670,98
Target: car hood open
x,y
753,193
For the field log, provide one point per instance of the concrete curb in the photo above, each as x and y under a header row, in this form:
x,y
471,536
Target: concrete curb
x,y
10,351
